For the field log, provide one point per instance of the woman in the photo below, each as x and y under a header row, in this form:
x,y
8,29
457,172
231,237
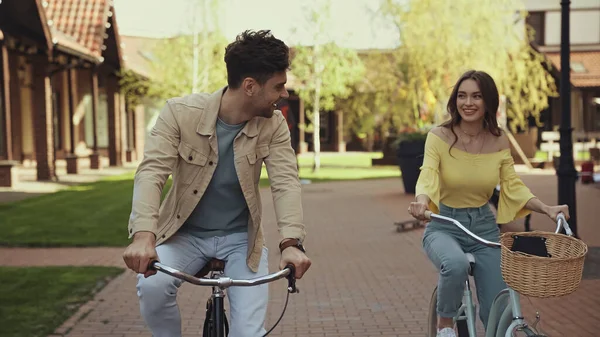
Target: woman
x,y
465,158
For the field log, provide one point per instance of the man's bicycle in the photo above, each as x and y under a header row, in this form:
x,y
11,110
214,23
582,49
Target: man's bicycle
x,y
538,264
215,323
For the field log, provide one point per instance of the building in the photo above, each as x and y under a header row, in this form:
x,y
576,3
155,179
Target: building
x,y
59,90
545,18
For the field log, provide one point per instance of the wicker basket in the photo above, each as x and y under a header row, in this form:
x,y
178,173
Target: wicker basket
x,y
543,277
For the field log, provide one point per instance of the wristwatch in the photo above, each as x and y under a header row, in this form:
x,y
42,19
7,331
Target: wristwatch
x,y
291,243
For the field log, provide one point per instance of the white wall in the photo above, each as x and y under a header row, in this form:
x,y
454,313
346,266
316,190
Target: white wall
x,y
585,27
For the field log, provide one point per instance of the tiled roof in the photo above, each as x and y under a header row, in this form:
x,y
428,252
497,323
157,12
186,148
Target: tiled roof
x,y
83,20
590,61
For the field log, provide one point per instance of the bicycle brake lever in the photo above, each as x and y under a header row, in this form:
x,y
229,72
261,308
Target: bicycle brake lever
x,y
292,279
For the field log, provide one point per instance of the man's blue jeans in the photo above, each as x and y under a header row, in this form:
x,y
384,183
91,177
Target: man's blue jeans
x,y
157,293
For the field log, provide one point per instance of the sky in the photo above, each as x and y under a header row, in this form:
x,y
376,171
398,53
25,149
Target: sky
x,y
352,24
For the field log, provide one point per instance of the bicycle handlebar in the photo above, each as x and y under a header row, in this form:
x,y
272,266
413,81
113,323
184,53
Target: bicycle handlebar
x,y
561,221
225,282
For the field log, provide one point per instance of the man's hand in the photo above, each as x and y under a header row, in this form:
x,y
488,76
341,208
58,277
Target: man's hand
x,y
141,252
295,256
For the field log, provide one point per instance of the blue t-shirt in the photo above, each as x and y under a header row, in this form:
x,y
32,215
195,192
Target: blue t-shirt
x,y
222,209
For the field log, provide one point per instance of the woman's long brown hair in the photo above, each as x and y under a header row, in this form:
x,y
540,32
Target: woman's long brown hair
x,y
491,100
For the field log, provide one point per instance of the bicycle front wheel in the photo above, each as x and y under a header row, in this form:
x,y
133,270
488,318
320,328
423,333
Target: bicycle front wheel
x,y
432,315
432,318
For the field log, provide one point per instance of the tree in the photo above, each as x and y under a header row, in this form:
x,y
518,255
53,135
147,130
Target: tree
x,y
325,71
183,64
441,39
379,100
174,70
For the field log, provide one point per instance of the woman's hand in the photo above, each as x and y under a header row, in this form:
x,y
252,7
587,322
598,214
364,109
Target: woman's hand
x,y
417,210
553,211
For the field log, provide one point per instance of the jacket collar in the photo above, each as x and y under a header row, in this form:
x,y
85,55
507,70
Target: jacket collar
x,y
208,120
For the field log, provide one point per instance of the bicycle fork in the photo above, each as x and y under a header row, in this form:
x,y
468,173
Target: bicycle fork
x,y
470,309
215,324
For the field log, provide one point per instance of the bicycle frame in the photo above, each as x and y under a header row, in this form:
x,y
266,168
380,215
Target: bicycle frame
x,y
219,284
518,321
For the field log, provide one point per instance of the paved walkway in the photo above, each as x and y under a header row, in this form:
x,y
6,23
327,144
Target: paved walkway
x,y
366,279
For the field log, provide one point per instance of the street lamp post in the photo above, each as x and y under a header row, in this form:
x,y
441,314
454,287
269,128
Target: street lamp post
x,y
567,174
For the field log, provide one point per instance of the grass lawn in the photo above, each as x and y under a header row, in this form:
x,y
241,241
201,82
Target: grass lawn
x,y
96,214
37,300
348,159
541,155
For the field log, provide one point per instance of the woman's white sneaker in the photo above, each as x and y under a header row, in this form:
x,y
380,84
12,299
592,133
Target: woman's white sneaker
x,y
446,332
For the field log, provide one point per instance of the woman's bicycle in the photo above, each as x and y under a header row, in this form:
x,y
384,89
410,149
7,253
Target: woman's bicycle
x,y
536,249
215,323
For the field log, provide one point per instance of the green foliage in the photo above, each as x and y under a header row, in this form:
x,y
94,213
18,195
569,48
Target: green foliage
x,y
171,63
379,99
441,39
134,86
410,134
173,66
341,67
528,85
324,66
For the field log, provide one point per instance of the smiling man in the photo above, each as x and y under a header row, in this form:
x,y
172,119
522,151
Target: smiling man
x,y
214,146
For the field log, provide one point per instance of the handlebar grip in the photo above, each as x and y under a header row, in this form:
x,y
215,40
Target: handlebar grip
x,y
292,279
428,214
152,264
292,269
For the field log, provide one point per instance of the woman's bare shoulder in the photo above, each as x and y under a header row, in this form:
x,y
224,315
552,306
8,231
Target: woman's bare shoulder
x,y
444,133
502,142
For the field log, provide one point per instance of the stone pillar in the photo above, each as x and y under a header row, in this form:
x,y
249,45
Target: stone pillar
x,y
7,166
302,145
114,121
8,173
129,134
95,156
5,111
71,157
339,144
139,131
16,119
42,119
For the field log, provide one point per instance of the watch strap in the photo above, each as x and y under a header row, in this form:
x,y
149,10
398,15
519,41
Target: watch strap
x,y
290,243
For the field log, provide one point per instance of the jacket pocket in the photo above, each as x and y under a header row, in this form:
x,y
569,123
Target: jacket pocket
x,y
192,162
259,155
255,159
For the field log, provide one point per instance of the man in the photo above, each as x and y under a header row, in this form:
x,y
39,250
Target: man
x,y
214,146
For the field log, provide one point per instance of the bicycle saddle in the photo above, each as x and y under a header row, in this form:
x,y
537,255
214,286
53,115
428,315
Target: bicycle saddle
x,y
211,265
471,260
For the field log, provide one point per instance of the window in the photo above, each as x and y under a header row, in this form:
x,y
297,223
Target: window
x,y
578,67
536,21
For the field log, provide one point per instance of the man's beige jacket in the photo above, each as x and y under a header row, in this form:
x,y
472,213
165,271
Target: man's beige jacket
x,y
184,143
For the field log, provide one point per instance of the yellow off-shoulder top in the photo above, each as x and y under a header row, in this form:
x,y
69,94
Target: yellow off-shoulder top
x,y
468,180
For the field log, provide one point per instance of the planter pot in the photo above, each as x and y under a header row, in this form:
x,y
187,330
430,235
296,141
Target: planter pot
x,y
410,159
